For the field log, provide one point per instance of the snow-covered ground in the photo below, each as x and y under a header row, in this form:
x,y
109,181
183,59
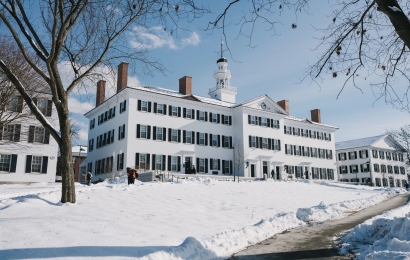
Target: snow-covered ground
x,y
386,236
197,218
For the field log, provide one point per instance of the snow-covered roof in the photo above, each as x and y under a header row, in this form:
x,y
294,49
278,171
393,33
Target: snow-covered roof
x,y
362,142
307,121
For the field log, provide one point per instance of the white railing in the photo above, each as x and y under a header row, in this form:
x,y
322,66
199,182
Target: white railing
x,y
225,87
222,71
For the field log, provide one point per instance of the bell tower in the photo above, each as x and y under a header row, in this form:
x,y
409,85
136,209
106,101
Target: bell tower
x,y
223,90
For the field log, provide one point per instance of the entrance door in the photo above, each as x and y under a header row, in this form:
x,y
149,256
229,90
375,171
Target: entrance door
x,y
252,170
188,165
277,172
265,168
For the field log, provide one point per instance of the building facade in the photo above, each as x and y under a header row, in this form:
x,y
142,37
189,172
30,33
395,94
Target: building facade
x,y
152,128
27,151
376,161
79,153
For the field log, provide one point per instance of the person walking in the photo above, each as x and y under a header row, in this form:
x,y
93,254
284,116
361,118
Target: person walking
x,y
133,175
272,173
129,174
88,178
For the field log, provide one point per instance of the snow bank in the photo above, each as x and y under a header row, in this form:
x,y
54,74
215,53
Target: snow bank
x,y
362,187
386,236
324,212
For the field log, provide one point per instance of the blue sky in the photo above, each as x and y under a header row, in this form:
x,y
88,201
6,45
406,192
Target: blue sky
x,y
275,66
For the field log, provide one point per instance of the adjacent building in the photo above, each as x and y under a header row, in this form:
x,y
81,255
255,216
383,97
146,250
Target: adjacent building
x,y
27,151
376,161
152,128
79,153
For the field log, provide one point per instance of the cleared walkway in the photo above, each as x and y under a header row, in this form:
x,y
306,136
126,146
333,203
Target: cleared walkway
x,y
315,241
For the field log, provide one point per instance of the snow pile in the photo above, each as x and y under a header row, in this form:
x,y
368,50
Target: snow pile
x,y
324,212
386,236
362,187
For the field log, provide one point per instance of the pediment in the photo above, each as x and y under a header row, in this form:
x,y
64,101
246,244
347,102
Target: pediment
x,y
191,97
265,103
387,142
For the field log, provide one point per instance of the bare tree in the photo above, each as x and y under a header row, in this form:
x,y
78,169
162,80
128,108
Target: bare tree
x,y
84,34
402,136
365,41
238,157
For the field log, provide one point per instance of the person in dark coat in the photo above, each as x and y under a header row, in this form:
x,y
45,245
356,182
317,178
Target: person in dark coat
x,y
129,175
193,170
133,175
88,178
272,173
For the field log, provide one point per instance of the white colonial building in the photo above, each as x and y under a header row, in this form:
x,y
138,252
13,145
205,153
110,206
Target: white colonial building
x,y
162,129
376,161
27,152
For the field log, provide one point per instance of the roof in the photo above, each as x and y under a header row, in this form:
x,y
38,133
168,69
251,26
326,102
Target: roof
x,y
222,59
362,142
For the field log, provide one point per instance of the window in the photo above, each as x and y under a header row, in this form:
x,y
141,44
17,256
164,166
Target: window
x,y
313,152
353,155
253,141
378,182
123,106
39,134
321,153
296,131
15,104
188,137
158,162
343,169
120,161
189,113
214,164
306,151
159,133
363,154
297,150
214,141
214,118
383,168
376,167
353,168
389,169
264,121
381,154
174,163
276,144
201,166
174,111
160,109
312,134
342,156
288,130
320,135
375,154
401,157
227,141
264,143
253,120
226,120
402,170
330,174
201,116
364,167
142,162
11,133
90,145
388,156
144,106
42,105
226,167
395,157
143,131
396,169
201,139
275,124
92,123
121,132
36,163
174,135
329,154
5,162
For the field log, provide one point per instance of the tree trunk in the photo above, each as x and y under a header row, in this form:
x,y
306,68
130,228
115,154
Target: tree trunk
x,y
67,171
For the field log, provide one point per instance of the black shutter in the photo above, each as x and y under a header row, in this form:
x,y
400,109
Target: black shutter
x,y
193,137
223,141
139,105
112,137
197,114
350,157
17,131
197,164
219,164
197,137
122,160
183,136
169,162
119,133
125,105
330,137
286,149
361,167
147,164
149,132
184,112
250,141
218,118
360,154
230,167
164,134
154,133
45,164
28,163
249,119
367,154
206,165
223,166
49,108
355,154
350,167
155,107
223,119
170,110
269,144
259,120
206,139
230,120
1,131
193,113
163,162
169,134
206,116
211,163
31,134
123,131
230,142
210,116
210,140
47,137
338,156
149,106
153,162
179,111
271,123
260,142
164,111
13,163
268,122
113,114
138,130
179,163
137,160
179,136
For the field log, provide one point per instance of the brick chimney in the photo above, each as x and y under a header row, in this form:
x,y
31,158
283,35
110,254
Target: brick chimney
x,y
315,115
185,85
284,104
100,96
122,76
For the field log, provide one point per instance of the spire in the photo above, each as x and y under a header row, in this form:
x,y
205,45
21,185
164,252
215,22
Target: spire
x,y
222,59
222,52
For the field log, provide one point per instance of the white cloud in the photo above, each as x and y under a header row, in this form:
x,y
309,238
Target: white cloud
x,y
157,37
78,107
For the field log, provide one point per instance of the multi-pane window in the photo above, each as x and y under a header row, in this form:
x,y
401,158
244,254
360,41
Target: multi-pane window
x,y
365,167
376,167
383,168
395,157
174,111
144,106
389,169
5,161
297,150
321,153
159,133
174,135
226,166
214,141
388,156
123,106
201,166
313,134
189,113
42,105
13,104
401,157
174,163
305,151
288,130
214,164
381,153
314,152
143,161
402,170
375,154
158,162
121,132
253,120
343,169
396,169
201,139
353,169
201,116
36,162
276,144
160,109
214,118
39,134
264,121
289,149
226,141
264,143
342,156
305,132
226,120
296,131
353,155
275,124
188,137
253,141
11,132
143,131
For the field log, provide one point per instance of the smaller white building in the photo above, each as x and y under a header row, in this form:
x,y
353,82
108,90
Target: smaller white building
x,y
375,161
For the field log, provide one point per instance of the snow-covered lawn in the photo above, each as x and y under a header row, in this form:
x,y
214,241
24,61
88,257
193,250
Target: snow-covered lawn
x,y
386,236
198,218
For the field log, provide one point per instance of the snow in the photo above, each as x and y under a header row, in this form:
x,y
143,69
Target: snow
x,y
196,218
394,9
362,142
386,236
